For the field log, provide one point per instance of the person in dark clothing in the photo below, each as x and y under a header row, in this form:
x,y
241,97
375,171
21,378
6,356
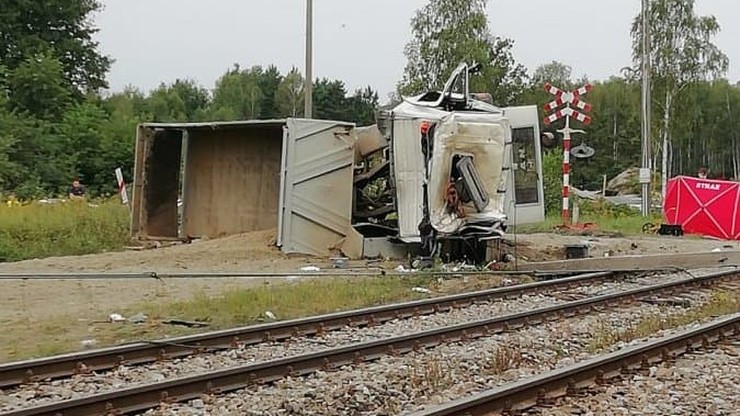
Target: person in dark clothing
x,y
76,191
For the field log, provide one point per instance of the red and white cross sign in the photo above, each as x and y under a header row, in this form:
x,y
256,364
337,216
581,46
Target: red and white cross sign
x,y
569,99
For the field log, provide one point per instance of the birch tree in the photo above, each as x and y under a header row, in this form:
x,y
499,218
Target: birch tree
x,y
447,32
289,96
681,53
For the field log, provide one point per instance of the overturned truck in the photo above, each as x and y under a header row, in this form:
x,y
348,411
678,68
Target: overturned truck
x,y
440,174
431,173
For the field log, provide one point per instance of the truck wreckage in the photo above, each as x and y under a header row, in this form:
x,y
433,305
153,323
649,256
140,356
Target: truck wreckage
x,y
441,174
436,162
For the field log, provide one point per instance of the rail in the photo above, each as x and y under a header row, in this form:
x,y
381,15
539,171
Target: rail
x,y
529,392
16,373
140,398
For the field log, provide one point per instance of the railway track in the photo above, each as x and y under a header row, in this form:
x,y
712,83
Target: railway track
x,y
151,395
18,373
546,387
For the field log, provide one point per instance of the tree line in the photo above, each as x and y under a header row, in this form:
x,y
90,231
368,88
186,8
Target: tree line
x,y
58,120
48,136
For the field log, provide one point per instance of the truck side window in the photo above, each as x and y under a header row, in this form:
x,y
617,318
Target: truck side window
x,y
524,166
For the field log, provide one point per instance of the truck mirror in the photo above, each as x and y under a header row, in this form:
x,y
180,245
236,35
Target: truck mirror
x,y
548,139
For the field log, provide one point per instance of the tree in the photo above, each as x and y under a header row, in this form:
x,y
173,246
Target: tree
x,y
10,125
289,95
181,101
681,54
194,97
37,86
238,95
363,105
447,32
504,78
556,73
269,82
329,97
61,27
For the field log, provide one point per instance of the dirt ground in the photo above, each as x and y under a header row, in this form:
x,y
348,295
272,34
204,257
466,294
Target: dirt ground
x,y
30,303
256,252
547,247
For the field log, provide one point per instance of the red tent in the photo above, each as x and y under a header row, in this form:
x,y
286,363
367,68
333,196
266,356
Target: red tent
x,y
703,206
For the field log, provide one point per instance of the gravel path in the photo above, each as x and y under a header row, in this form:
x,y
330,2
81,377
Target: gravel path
x,y
703,383
43,392
400,385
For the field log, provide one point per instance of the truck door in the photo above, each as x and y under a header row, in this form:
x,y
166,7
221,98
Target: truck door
x,y
525,194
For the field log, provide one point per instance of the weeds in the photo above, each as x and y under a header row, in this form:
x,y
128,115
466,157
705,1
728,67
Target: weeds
x,y
290,300
504,358
721,303
38,230
431,373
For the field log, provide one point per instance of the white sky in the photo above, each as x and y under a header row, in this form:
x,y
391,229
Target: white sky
x,y
361,41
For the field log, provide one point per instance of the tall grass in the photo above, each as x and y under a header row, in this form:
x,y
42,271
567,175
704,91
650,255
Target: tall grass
x,y
37,230
608,217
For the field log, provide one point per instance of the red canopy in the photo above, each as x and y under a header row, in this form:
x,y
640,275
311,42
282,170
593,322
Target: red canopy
x,y
703,206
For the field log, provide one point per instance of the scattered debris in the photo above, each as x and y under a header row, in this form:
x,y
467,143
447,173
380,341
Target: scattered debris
x,y
458,267
339,262
89,343
189,324
716,250
310,269
116,317
139,318
271,316
402,269
420,289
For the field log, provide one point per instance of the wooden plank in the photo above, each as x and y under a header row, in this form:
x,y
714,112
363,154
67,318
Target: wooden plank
x,y
651,261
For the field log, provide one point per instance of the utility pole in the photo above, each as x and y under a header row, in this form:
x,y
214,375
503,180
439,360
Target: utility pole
x,y
308,90
645,171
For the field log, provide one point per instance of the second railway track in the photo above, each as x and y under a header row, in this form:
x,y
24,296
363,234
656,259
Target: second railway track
x,y
545,387
147,396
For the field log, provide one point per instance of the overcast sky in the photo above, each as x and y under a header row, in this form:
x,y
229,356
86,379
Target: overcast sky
x,y
361,41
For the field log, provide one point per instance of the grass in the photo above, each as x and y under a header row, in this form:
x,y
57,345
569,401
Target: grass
x,y
38,230
303,298
26,339
720,303
627,225
608,218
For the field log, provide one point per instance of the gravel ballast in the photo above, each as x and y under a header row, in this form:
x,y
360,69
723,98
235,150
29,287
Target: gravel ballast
x,y
401,385
702,383
124,377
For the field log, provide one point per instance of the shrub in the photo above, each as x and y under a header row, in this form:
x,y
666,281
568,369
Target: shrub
x,y
36,230
552,181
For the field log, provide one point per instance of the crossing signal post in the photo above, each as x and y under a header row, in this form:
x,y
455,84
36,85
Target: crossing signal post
x,y
567,105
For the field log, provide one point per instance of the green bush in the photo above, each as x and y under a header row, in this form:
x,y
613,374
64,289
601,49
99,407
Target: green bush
x,y
37,230
552,181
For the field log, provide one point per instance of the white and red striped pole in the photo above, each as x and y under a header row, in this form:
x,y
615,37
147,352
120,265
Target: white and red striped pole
x,y
566,172
121,186
567,98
